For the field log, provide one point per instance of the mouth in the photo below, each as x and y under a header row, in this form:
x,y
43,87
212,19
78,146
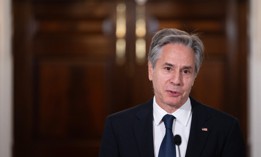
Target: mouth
x,y
173,93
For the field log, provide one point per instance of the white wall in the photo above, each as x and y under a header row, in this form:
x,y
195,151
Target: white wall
x,y
5,79
255,79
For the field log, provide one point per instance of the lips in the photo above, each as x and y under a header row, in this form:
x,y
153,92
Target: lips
x,y
173,93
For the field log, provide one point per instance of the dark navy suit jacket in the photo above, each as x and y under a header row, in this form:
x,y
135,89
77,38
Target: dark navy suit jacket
x,y
129,133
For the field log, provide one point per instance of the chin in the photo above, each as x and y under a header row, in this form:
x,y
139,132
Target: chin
x,y
174,103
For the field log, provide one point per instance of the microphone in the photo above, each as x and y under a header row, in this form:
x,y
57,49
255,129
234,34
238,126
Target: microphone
x,y
177,141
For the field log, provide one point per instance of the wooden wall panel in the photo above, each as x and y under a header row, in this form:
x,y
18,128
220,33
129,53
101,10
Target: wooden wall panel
x,y
70,98
207,85
87,46
67,66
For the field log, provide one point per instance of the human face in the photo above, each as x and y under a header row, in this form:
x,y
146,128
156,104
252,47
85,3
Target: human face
x,y
173,76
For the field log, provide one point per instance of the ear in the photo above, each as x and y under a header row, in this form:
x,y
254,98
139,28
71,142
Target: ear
x,y
195,76
150,71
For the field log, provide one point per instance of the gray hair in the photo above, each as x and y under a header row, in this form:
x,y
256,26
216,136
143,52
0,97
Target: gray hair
x,y
170,35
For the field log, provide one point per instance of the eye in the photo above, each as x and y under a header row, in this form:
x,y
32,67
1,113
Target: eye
x,y
167,68
187,71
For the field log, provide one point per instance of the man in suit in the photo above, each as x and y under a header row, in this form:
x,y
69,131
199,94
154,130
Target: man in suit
x,y
174,61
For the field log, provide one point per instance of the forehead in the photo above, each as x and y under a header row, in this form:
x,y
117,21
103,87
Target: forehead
x,y
177,53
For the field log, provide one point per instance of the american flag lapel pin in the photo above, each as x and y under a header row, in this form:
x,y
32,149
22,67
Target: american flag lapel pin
x,y
204,129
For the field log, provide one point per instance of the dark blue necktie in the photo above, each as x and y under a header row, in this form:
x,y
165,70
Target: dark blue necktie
x,y
167,147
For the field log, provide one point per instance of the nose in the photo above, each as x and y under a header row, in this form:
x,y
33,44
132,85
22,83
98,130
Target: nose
x,y
176,78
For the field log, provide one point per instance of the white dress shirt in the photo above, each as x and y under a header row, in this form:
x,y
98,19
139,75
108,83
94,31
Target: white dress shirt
x,y
181,126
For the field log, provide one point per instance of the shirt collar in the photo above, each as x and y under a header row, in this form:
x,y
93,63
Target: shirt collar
x,y
182,114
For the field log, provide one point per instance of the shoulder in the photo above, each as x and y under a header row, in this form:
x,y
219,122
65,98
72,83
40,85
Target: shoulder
x,y
132,112
220,123
212,114
220,127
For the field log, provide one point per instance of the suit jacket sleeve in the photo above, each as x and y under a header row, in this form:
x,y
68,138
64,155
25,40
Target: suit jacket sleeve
x,y
109,146
129,133
234,146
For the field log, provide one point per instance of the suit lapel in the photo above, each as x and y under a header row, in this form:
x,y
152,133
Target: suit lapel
x,y
199,131
143,130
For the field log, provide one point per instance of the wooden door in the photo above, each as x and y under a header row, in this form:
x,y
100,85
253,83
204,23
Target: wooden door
x,y
67,80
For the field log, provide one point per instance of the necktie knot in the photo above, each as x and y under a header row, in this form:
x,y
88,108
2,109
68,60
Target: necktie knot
x,y
168,121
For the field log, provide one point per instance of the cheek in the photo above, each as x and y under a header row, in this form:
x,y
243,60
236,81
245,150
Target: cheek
x,y
189,83
192,83
158,81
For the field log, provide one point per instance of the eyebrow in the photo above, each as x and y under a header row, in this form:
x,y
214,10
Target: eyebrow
x,y
172,65
169,64
187,67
